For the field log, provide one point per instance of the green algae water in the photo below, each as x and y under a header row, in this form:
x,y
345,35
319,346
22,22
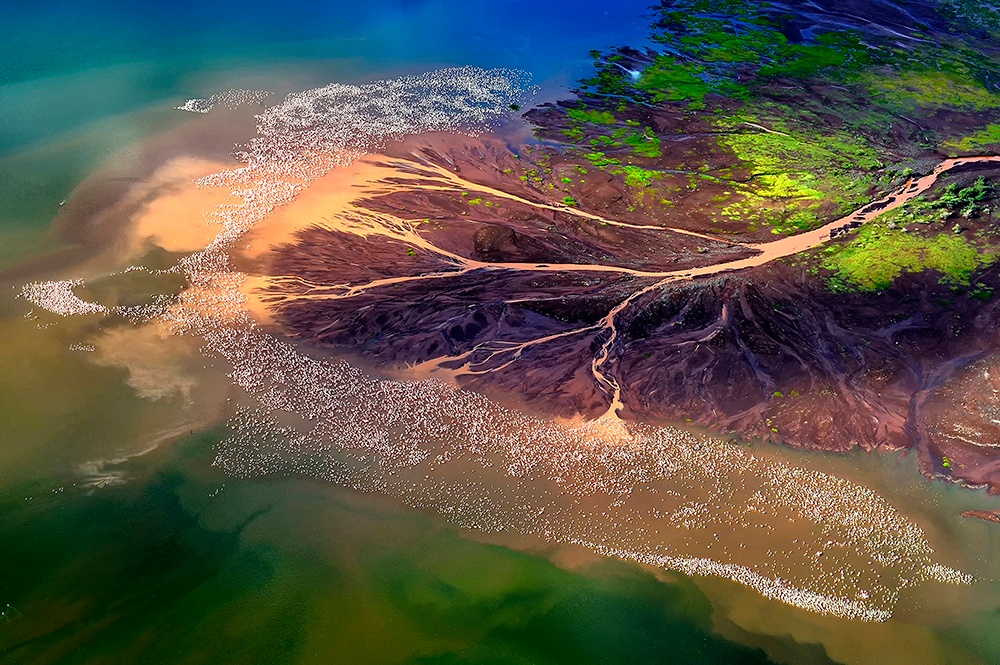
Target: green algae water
x,y
182,564
123,540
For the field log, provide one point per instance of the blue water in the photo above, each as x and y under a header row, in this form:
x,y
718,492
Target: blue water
x,y
144,52
81,81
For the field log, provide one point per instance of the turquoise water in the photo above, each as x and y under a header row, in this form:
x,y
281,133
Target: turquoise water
x,y
81,81
121,542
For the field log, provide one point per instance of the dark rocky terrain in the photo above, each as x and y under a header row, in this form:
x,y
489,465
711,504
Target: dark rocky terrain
x,y
690,156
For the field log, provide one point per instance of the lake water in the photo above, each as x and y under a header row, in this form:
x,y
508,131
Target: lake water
x,y
133,529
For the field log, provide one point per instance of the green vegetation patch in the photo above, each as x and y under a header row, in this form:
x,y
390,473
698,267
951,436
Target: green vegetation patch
x,y
732,48
668,80
834,54
881,252
605,142
780,145
986,138
592,116
644,143
931,89
793,171
788,186
879,255
964,201
636,176
600,160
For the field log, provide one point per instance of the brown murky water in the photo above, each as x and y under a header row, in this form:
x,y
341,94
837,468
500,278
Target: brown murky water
x,y
853,553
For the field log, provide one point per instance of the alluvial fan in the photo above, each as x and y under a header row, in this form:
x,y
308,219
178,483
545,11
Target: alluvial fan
x,y
660,496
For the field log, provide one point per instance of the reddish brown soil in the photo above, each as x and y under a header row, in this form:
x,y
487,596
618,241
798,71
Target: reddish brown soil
x,y
988,515
768,353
